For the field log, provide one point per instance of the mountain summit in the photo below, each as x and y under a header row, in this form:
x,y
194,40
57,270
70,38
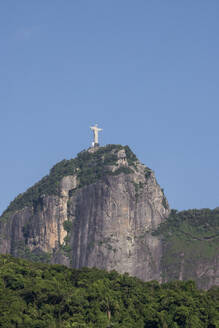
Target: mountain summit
x,y
95,210
105,209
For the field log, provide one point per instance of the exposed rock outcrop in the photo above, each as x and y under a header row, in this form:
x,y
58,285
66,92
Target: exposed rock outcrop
x,y
105,223
100,210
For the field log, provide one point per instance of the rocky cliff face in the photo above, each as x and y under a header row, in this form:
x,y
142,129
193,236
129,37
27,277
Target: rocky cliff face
x,y
112,224
105,222
98,210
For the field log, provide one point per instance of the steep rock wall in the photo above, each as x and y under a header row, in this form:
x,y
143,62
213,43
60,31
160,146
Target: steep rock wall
x,y
111,225
106,224
102,210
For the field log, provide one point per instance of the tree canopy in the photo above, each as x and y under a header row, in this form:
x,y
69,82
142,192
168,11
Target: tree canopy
x,y
36,295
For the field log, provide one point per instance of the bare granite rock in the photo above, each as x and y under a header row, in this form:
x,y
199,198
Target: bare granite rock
x,y
109,222
106,222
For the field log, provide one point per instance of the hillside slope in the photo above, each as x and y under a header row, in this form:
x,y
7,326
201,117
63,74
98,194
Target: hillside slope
x,y
190,243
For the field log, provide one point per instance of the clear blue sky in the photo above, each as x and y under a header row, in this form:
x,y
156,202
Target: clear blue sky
x,y
146,71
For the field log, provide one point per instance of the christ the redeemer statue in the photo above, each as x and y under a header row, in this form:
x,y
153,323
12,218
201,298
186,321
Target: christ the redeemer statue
x,y
96,130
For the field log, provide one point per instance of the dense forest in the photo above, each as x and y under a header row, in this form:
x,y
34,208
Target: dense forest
x,y
36,295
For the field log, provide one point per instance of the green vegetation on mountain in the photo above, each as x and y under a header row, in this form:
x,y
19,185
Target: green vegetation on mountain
x,y
35,295
36,255
189,237
88,166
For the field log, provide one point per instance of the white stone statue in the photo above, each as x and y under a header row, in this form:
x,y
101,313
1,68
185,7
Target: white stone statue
x,y
96,130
